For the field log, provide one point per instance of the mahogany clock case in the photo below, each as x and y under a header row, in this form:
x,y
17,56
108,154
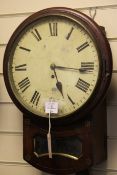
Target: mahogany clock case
x,y
75,147
104,52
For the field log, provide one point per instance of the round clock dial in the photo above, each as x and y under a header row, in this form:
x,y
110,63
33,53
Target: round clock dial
x,y
53,58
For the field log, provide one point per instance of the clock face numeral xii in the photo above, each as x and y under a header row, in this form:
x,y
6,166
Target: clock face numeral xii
x,y
53,29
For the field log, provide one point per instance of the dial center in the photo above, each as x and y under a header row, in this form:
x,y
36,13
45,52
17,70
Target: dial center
x,y
52,66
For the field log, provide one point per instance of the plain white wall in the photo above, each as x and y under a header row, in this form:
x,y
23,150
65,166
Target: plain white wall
x,y
12,13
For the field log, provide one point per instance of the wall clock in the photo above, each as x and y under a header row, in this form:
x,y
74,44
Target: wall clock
x,y
57,57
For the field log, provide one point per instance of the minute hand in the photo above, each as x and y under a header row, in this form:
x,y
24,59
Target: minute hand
x,y
82,70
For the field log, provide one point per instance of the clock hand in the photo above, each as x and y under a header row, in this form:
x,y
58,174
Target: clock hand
x,y
81,70
58,83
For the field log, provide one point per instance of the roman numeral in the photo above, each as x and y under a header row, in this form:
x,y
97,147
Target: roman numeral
x,y
53,29
70,99
87,66
21,67
36,35
82,85
83,46
24,84
35,98
23,48
69,34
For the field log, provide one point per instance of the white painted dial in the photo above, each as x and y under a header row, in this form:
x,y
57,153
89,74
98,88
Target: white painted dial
x,y
54,59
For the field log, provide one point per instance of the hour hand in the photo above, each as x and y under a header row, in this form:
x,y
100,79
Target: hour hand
x,y
58,83
59,87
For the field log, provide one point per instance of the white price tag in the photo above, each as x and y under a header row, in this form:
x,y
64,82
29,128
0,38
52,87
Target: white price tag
x,y
51,107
